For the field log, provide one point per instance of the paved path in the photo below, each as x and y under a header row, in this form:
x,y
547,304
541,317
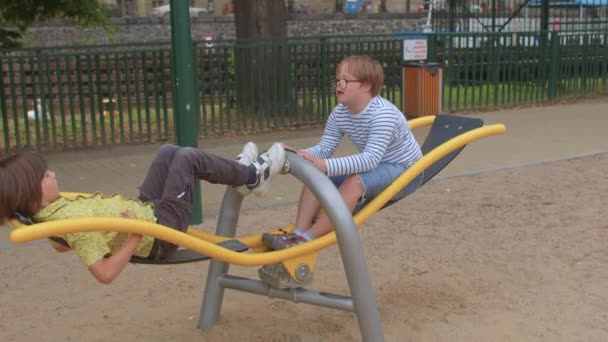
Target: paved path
x,y
533,135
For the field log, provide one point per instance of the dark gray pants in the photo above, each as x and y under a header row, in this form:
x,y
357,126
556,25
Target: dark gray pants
x,y
170,184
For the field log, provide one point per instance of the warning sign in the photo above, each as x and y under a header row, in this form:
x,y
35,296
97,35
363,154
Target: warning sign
x,y
414,49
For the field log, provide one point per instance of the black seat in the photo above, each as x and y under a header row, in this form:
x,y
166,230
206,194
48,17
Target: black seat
x,y
444,128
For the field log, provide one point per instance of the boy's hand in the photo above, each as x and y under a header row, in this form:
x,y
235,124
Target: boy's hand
x,y
317,162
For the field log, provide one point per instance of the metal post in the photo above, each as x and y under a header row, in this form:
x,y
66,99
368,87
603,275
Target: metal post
x,y
553,65
544,15
185,99
4,112
214,291
351,247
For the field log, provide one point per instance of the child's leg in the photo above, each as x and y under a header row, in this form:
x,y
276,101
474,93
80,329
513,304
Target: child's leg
x,y
152,187
307,209
189,164
355,189
351,191
174,206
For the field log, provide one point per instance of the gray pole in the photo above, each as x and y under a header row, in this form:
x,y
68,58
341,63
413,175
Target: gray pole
x,y
213,296
351,247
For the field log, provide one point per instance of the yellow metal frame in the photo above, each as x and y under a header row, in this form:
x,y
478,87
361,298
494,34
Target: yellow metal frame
x,y
205,243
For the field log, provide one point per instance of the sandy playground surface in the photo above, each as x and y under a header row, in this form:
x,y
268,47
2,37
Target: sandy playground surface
x,y
508,255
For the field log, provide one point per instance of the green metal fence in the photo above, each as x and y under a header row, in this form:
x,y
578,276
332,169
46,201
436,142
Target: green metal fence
x,y
504,69
515,15
59,98
85,96
273,83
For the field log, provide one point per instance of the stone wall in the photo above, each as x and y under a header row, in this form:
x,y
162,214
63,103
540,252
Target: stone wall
x,y
149,29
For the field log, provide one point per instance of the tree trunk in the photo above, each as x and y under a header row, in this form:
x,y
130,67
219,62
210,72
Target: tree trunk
x,y
383,8
260,18
261,62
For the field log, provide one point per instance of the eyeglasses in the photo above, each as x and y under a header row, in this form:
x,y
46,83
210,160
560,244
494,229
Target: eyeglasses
x,y
342,83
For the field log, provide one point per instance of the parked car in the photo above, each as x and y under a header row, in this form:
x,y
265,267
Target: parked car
x,y
475,9
166,10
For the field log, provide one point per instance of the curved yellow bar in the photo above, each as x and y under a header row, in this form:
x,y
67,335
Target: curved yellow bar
x,y
421,121
46,229
423,164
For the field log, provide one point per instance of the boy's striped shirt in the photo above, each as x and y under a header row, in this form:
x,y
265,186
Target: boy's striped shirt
x,y
380,133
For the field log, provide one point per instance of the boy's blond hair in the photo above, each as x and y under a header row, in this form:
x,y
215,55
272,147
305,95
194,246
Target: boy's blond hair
x,y
365,69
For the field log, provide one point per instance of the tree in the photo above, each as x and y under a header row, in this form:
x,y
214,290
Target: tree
x,y
259,60
17,16
383,7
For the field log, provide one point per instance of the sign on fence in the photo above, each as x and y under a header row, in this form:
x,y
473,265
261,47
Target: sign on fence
x,y
415,48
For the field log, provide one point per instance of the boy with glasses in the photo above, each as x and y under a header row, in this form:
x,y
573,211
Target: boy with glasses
x,y
386,148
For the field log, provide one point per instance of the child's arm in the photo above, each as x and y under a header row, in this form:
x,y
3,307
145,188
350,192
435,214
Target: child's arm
x,y
106,270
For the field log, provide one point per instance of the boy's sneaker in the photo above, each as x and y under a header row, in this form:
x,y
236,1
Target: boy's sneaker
x,y
246,157
267,166
248,154
282,241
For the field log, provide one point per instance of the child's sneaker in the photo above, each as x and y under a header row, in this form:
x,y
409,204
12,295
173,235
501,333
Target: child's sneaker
x,y
248,154
246,157
282,241
267,166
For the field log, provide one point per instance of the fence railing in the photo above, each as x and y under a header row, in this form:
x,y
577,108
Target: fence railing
x,y
506,69
71,97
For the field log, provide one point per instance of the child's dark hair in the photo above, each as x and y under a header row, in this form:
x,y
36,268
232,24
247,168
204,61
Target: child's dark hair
x,y
20,184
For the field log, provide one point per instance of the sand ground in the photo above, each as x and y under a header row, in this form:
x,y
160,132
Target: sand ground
x,y
506,255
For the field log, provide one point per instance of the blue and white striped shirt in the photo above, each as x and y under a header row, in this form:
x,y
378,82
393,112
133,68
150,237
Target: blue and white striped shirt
x,y
380,133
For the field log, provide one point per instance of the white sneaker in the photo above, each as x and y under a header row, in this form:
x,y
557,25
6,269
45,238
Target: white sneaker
x,y
246,157
248,154
267,166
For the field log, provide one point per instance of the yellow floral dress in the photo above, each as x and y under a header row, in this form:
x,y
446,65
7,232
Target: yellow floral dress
x,y
93,246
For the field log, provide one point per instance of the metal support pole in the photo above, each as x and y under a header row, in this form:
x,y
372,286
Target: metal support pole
x,y
214,292
185,99
351,248
298,295
4,112
553,65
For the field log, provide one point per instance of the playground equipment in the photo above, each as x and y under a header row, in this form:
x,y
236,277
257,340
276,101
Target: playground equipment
x,y
285,273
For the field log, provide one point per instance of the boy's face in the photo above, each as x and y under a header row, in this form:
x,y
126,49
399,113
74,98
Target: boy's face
x,y
349,90
50,189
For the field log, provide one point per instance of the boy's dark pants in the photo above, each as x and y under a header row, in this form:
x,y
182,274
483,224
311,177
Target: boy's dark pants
x,y
170,184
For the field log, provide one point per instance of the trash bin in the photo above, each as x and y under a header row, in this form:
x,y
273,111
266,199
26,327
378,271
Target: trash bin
x,y
422,89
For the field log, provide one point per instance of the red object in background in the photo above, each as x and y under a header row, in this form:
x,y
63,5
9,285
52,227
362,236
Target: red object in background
x,y
229,8
556,24
209,49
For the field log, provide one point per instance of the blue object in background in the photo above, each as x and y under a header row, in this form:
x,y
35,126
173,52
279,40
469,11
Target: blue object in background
x,y
353,6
